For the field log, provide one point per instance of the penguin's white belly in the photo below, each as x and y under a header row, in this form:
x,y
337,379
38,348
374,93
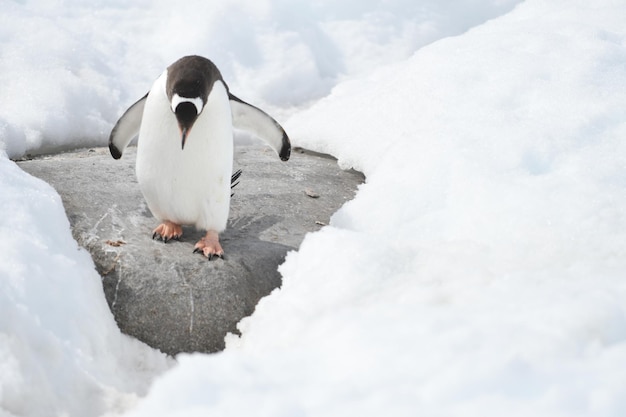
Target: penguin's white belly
x,y
189,186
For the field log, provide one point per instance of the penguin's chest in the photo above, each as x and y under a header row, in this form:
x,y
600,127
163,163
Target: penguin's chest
x,y
190,185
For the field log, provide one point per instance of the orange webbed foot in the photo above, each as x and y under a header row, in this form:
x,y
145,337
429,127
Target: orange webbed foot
x,y
167,231
210,246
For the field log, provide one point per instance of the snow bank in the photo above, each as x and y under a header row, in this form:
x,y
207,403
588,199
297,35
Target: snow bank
x,y
480,271
61,352
69,69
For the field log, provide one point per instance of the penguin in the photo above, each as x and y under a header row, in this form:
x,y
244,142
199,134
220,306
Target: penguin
x,y
185,148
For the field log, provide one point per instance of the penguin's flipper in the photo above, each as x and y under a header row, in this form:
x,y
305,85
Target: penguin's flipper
x,y
126,128
255,120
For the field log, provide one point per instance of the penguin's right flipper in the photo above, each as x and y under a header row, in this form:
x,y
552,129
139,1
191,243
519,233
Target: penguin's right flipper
x,y
255,120
126,128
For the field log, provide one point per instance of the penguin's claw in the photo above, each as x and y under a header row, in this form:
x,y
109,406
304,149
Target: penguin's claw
x,y
212,256
210,246
167,231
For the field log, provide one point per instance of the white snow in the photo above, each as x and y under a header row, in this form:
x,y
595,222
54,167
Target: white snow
x,y
479,271
61,352
69,68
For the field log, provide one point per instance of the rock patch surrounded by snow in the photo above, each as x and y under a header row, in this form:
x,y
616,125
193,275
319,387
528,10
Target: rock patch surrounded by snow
x,y
164,294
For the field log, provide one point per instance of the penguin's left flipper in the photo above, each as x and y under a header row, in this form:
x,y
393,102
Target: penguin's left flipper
x,y
126,128
255,120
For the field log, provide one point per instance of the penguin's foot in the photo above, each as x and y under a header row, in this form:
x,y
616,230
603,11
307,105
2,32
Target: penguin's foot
x,y
167,231
210,246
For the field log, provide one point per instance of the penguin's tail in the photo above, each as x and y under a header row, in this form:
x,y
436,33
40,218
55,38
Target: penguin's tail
x,y
234,180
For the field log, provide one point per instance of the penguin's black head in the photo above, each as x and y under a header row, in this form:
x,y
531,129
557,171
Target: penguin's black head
x,y
186,114
188,95
189,83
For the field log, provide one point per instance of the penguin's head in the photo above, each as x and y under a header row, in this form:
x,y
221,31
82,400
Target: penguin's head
x,y
186,109
189,83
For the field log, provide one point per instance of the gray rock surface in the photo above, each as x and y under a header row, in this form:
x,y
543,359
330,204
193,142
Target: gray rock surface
x,y
165,295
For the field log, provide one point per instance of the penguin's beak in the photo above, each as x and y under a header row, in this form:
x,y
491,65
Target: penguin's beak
x,y
183,134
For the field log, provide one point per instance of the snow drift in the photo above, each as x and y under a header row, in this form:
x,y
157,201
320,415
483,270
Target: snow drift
x,y
479,271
